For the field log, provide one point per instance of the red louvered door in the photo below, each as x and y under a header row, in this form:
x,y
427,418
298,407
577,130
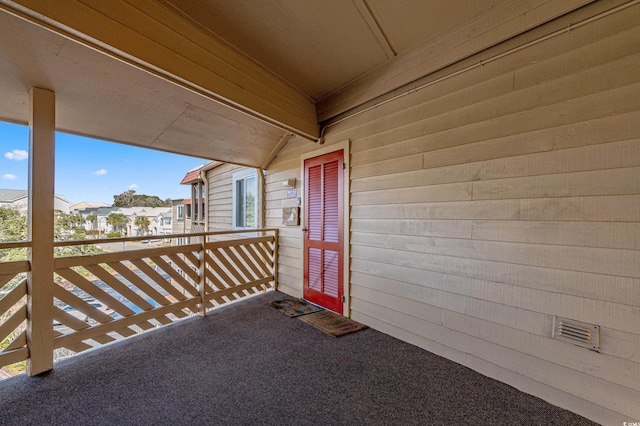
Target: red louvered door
x,y
323,239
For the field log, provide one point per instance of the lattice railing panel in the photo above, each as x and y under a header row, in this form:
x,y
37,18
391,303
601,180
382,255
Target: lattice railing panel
x,y
238,268
102,298
13,312
105,297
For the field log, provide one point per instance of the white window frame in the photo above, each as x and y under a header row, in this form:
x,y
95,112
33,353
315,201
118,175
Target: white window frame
x,y
243,176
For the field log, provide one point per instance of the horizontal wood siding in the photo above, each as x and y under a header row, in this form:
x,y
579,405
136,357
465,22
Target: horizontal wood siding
x,y
483,205
220,193
287,165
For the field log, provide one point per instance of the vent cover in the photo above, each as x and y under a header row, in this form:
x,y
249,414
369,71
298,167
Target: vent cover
x,y
576,332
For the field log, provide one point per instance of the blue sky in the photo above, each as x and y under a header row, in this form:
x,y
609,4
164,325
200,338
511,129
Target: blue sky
x,y
92,170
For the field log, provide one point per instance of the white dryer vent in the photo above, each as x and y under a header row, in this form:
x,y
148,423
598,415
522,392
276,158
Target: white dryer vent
x,y
576,332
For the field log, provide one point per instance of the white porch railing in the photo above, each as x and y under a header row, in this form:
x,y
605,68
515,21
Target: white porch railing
x,y
101,298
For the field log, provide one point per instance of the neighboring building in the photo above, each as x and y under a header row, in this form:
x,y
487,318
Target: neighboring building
x,y
85,210
195,211
19,199
163,222
233,197
87,205
228,199
102,226
179,224
159,220
90,226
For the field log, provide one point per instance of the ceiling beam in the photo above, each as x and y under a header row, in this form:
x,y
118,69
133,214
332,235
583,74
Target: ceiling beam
x,y
373,24
149,36
281,144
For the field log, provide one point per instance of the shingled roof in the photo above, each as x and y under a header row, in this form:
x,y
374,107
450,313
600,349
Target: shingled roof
x,y
11,195
192,175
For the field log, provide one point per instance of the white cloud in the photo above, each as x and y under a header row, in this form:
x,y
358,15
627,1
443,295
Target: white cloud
x,y
9,176
133,186
100,172
17,155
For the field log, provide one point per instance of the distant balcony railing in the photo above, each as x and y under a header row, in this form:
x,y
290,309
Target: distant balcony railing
x,y
109,296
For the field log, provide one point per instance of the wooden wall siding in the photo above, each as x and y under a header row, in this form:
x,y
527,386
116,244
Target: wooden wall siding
x,y
486,204
287,165
220,209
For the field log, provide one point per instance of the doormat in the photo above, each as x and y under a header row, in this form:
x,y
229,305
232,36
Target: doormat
x,y
332,323
295,307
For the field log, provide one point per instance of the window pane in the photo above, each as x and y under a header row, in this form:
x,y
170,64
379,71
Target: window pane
x,y
245,191
240,208
250,205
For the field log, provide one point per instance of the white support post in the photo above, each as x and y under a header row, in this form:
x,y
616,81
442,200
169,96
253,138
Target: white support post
x,y
261,220
41,205
194,218
276,259
205,195
200,206
202,277
203,267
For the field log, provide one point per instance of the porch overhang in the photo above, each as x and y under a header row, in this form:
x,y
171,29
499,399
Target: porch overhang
x,y
230,81
143,76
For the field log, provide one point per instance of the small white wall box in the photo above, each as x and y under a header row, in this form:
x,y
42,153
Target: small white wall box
x,y
291,216
289,183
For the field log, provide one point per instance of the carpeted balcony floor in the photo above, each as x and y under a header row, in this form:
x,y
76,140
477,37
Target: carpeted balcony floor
x,y
248,364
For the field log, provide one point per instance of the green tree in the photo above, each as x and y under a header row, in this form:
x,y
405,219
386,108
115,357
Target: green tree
x,y
68,226
251,211
13,225
142,222
13,228
131,199
126,199
117,220
92,219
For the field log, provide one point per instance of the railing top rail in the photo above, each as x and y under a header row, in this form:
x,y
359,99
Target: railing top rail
x,y
158,237
15,244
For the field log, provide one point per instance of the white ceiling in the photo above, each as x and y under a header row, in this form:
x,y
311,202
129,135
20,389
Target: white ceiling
x,y
101,97
319,47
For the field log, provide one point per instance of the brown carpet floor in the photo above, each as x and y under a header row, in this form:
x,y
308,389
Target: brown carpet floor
x,y
247,364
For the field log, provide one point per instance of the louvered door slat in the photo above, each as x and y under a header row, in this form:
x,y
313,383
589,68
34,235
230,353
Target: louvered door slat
x,y
323,241
330,203
314,205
